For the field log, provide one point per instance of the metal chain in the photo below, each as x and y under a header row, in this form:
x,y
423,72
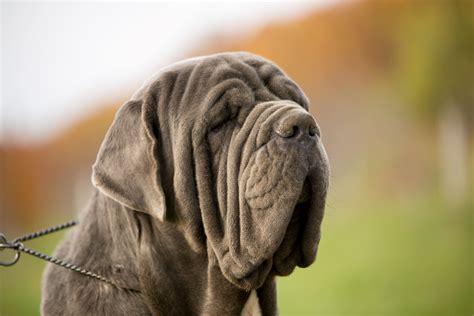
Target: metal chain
x,y
18,246
46,231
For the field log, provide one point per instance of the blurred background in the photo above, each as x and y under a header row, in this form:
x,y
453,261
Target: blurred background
x,y
390,83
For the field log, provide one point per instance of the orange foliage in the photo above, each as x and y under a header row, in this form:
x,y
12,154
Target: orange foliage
x,y
334,54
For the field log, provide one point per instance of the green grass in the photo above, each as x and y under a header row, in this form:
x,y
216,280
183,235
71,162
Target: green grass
x,y
387,261
20,284
375,260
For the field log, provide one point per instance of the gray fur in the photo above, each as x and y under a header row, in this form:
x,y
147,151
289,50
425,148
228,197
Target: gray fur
x,y
203,194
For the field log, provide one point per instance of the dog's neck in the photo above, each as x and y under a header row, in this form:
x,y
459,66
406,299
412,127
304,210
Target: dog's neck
x,y
175,278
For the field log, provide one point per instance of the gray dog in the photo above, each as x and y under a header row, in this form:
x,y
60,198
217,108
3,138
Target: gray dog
x,y
210,182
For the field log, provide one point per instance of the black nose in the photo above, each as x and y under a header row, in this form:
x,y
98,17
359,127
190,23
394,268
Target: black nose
x,y
297,123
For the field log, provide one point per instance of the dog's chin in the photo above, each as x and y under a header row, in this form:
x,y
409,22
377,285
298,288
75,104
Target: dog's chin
x,y
254,279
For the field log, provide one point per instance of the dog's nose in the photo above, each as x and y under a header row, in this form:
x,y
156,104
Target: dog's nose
x,y
297,124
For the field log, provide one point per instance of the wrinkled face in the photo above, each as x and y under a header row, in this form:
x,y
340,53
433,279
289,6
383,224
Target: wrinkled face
x,y
270,171
223,148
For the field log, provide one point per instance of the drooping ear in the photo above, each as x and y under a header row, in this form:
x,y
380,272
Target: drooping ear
x,y
127,168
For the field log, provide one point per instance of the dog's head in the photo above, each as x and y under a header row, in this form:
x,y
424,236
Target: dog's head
x,y
224,147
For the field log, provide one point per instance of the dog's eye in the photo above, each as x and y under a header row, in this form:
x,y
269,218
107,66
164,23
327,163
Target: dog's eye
x,y
221,118
218,127
217,136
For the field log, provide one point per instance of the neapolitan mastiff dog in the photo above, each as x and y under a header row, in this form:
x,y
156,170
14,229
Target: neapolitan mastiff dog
x,y
210,182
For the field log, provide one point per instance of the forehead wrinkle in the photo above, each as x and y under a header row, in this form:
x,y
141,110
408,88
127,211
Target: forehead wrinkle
x,y
251,75
225,71
182,79
262,91
193,86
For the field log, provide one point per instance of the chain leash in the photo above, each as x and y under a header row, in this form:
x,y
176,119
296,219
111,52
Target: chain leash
x,y
17,246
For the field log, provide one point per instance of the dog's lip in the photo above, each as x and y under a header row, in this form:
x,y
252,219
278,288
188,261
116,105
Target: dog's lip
x,y
301,252
305,194
302,204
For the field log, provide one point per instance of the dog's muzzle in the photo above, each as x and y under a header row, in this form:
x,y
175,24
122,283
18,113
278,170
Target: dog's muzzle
x,y
283,189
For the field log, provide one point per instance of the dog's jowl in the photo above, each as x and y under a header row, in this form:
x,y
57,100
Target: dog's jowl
x,y
210,182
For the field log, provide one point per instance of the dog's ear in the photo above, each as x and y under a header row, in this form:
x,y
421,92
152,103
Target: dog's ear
x,y
127,167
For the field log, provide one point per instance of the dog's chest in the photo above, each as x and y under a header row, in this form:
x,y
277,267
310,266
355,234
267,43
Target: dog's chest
x,y
252,306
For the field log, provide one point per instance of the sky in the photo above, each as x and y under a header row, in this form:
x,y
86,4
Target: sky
x,y
60,60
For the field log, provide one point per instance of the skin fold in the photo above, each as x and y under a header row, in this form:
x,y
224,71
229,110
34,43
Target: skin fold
x,y
210,182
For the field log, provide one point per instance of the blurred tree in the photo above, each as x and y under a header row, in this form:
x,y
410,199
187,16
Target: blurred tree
x,y
342,57
435,75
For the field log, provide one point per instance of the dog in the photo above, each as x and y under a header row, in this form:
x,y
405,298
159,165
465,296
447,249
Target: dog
x,y
211,182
